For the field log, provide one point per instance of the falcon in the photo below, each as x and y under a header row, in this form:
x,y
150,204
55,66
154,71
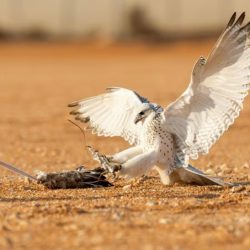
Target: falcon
x,y
166,139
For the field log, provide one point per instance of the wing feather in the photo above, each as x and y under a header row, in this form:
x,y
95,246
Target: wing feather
x,y
112,113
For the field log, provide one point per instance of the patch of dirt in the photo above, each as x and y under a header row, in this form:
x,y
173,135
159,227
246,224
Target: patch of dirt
x,y
37,81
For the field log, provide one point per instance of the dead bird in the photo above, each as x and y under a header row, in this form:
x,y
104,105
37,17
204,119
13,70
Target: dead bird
x,y
78,178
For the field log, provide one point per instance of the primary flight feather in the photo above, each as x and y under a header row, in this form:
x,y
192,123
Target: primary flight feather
x,y
168,138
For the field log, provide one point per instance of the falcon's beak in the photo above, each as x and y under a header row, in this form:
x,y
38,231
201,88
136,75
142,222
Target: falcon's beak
x,y
138,118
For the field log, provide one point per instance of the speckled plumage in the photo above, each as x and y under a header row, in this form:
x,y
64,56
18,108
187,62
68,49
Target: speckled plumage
x,y
155,136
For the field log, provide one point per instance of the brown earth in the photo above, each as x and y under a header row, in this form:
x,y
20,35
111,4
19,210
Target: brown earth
x,y
36,82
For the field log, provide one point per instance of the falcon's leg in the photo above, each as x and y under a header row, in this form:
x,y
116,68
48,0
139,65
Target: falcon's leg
x,y
164,175
138,165
125,155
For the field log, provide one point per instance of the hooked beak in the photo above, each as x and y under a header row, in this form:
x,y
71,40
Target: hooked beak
x,y
138,118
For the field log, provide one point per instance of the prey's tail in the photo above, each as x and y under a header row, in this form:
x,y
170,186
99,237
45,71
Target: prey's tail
x,y
192,175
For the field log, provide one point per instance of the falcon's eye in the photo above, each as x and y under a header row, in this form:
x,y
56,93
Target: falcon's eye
x,y
142,113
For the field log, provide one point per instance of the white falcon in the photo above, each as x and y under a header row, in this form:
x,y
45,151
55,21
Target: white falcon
x,y
167,138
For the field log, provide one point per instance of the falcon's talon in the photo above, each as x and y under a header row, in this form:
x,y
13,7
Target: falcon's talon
x,y
105,161
107,165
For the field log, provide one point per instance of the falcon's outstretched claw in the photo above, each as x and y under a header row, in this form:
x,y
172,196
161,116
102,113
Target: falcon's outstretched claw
x,y
105,161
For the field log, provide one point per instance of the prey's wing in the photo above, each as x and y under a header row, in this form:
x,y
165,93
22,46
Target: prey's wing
x,y
215,94
112,113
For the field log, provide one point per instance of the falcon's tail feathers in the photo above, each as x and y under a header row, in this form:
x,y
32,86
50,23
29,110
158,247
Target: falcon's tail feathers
x,y
193,175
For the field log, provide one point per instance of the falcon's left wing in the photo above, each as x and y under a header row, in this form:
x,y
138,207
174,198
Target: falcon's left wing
x,y
112,113
215,94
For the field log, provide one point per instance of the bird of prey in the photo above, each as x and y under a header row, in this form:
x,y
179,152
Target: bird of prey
x,y
167,138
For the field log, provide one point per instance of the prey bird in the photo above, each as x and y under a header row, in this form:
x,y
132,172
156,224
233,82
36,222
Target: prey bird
x,y
167,138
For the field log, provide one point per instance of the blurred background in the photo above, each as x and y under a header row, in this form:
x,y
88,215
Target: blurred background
x,y
115,19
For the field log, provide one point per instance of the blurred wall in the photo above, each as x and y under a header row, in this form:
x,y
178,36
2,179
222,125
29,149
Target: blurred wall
x,y
116,18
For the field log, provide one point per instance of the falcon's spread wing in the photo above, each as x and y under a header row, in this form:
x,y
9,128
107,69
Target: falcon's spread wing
x,y
215,94
112,113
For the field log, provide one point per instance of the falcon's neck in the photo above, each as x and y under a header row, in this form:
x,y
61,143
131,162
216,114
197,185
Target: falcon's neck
x,y
154,117
151,129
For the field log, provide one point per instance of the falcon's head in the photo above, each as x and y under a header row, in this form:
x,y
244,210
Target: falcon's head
x,y
145,110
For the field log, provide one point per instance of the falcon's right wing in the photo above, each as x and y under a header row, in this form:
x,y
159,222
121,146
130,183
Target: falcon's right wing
x,y
215,94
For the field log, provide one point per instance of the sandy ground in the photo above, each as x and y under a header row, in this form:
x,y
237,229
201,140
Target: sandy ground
x,y
37,81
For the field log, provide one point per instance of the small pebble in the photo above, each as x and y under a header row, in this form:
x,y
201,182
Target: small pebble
x,y
238,189
210,165
210,172
127,187
246,165
151,203
27,180
163,221
116,216
37,204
